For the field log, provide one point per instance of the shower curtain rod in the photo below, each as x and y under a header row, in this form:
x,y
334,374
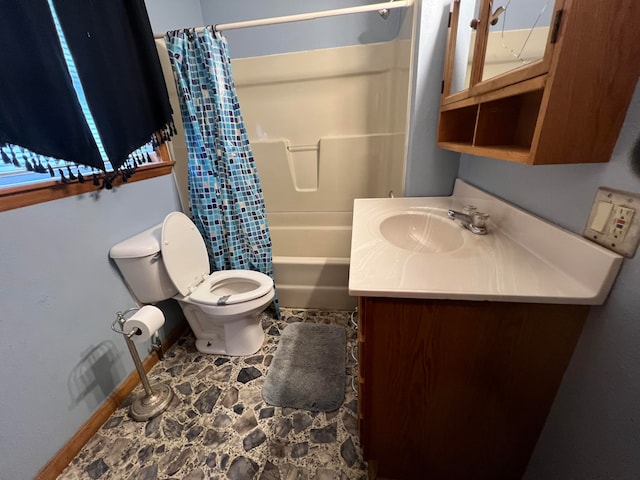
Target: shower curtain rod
x,y
306,16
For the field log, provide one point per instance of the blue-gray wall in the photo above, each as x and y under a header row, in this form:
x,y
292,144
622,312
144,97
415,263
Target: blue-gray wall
x,y
59,295
299,36
430,171
593,431
290,37
168,15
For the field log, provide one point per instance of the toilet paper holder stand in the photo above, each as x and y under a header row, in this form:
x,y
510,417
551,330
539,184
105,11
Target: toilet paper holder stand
x,y
157,397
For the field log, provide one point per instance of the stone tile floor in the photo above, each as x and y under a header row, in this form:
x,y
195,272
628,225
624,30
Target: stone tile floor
x,y
219,427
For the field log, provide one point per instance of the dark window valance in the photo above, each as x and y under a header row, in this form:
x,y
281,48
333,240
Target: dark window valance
x,y
113,47
39,109
112,44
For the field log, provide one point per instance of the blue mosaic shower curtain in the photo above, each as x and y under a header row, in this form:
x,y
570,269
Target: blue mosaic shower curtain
x,y
226,198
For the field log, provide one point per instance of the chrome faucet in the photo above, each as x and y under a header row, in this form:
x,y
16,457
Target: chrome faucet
x,y
471,219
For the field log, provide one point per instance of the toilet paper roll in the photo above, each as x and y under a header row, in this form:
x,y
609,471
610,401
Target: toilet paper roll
x,y
145,322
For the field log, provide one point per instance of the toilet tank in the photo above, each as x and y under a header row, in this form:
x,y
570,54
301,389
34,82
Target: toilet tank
x,y
139,260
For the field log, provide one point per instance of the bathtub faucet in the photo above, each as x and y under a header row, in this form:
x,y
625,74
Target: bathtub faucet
x,y
471,219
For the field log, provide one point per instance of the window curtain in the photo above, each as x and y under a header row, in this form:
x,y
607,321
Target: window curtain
x,y
114,51
112,44
39,109
226,199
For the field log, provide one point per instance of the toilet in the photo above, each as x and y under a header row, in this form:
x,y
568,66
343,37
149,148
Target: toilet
x,y
223,308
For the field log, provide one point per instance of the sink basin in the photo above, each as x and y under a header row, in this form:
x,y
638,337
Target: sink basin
x,y
422,232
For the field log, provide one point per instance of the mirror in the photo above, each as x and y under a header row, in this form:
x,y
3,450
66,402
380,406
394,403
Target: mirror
x,y
464,46
518,31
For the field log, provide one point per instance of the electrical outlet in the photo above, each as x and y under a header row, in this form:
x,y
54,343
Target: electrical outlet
x,y
613,222
621,222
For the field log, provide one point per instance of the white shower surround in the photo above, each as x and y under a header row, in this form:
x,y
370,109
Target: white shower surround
x,y
350,103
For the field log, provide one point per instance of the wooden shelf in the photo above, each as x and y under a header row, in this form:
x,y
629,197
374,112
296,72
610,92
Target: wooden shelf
x,y
503,128
458,125
510,153
530,85
508,122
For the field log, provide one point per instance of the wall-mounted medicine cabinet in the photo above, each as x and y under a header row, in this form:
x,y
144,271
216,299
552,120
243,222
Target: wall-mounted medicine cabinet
x,y
539,81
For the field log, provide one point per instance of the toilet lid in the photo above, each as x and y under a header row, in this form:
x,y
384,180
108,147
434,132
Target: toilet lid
x,y
184,253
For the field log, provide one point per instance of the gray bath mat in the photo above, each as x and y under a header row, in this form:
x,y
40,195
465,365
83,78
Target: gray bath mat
x,y
308,368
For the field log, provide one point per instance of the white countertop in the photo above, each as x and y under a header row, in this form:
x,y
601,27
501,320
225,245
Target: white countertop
x,y
522,259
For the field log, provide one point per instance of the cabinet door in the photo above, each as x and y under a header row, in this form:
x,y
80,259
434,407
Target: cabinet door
x,y
564,107
512,41
461,46
460,389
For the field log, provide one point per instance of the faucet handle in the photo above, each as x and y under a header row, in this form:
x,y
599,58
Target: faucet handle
x,y
476,218
469,210
479,219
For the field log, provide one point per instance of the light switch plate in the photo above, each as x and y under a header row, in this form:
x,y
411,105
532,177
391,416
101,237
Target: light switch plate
x,y
614,222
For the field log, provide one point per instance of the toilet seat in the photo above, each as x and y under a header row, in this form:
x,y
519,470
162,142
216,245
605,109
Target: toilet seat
x,y
217,288
186,260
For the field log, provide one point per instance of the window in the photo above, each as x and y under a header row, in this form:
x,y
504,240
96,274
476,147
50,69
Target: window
x,y
16,179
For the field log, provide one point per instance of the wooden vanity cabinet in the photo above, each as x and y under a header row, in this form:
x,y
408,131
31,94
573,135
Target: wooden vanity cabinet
x,y
458,389
567,107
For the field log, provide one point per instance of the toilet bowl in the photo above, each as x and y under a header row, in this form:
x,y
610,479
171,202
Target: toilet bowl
x,y
223,308
232,327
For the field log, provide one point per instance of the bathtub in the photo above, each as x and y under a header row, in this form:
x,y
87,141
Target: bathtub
x,y
311,259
